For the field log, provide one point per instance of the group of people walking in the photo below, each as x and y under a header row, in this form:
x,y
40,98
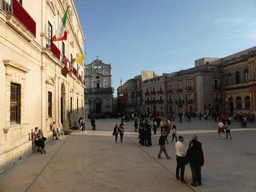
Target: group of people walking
x,y
118,130
82,124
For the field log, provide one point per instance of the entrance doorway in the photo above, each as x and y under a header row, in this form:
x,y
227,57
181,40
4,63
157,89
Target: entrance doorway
x,y
62,104
98,107
61,110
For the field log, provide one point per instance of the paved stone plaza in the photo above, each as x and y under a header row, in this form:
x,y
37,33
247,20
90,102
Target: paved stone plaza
x,y
91,161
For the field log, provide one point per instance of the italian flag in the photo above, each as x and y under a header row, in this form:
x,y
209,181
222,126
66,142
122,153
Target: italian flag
x,y
61,33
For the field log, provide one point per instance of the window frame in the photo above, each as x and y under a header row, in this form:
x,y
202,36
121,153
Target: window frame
x,y
237,76
246,75
16,102
49,35
49,104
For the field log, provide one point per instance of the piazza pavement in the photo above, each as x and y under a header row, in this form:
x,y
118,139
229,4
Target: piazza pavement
x,y
91,161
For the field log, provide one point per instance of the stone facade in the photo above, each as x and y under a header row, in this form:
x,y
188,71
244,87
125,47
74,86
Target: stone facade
x,y
214,84
98,87
154,95
240,81
129,95
38,86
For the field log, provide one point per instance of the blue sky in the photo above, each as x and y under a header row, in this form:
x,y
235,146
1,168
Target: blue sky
x,y
163,35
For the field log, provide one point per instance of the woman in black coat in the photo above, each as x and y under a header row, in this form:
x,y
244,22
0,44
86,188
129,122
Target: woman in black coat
x,y
116,131
195,157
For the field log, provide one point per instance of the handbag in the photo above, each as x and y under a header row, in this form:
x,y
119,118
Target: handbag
x,y
188,174
114,134
44,138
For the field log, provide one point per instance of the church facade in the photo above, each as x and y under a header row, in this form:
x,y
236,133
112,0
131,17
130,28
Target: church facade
x,y
98,90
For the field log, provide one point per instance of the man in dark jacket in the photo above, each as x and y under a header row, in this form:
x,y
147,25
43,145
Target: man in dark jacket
x,y
195,157
161,142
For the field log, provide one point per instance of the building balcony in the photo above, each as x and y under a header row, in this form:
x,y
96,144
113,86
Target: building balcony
x,y
75,71
179,101
146,93
190,101
19,19
96,91
170,101
147,102
170,91
160,92
153,102
189,88
68,65
153,93
217,99
216,87
55,51
179,90
160,101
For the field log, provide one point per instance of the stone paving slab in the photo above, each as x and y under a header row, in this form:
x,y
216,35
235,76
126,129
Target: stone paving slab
x,y
91,161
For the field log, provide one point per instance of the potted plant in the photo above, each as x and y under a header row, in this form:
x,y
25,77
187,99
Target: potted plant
x,y
67,130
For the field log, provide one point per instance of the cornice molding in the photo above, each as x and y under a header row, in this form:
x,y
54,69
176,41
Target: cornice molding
x,y
10,63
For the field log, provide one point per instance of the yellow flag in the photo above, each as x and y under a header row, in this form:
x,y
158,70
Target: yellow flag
x,y
80,59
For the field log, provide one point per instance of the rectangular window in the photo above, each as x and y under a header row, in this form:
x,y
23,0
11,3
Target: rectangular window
x,y
71,60
63,48
15,104
216,84
71,104
77,105
49,104
49,35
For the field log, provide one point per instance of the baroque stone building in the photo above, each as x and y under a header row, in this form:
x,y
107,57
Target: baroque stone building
x,y
38,83
98,90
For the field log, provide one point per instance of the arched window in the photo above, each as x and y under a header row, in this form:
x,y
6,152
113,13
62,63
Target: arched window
x,y
247,102
246,75
238,103
237,77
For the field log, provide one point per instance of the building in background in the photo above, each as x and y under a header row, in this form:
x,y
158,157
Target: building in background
x,y
130,97
239,81
213,85
195,90
38,83
154,95
98,88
